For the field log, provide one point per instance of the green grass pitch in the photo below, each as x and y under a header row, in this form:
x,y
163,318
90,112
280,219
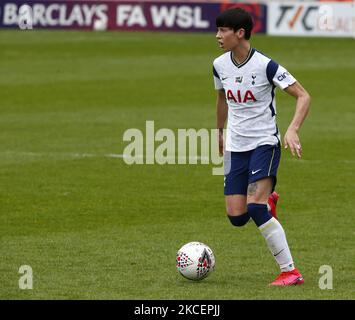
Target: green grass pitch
x,y
92,227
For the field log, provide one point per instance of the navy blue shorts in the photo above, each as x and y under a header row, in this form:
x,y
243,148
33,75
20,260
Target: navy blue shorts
x,y
243,168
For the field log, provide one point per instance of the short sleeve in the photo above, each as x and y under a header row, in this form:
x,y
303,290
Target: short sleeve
x,y
217,81
279,76
283,78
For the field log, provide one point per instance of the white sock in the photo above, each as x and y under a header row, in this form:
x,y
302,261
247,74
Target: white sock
x,y
275,238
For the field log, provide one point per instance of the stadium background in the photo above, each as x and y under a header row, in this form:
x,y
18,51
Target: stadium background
x,y
92,227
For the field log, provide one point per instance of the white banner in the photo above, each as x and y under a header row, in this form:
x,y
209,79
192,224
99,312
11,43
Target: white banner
x,y
331,19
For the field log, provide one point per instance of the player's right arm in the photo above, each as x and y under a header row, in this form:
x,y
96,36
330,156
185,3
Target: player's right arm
x,y
222,113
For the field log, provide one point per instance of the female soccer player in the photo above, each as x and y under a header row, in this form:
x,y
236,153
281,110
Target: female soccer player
x,y
245,80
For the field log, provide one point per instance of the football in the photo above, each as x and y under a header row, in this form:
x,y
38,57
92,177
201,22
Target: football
x,y
195,260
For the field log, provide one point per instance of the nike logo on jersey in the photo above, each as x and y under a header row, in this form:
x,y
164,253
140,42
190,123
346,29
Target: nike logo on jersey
x,y
224,78
253,172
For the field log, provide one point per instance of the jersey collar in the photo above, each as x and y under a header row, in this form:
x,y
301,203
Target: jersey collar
x,y
239,65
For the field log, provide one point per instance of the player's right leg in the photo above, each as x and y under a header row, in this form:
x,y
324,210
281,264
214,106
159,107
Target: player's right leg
x,y
237,211
235,187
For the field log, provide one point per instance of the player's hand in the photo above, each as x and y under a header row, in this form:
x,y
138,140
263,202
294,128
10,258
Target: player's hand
x,y
292,141
220,142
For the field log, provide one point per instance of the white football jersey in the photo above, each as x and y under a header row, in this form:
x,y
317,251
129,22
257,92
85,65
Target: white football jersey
x,y
250,93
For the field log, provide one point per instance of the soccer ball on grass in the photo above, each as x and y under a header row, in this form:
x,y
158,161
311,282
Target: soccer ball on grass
x,y
195,260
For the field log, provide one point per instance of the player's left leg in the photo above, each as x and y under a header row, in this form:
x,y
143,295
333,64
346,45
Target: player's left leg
x,y
272,231
262,180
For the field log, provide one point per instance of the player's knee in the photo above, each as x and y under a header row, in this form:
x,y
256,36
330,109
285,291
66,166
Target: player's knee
x,y
239,221
259,213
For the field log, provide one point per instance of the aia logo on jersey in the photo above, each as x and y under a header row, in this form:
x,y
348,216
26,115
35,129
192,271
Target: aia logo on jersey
x,y
238,97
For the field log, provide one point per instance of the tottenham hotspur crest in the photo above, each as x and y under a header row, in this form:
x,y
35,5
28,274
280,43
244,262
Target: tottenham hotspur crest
x,y
253,76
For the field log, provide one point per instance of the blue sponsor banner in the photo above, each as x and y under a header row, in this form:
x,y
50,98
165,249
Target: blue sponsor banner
x,y
121,15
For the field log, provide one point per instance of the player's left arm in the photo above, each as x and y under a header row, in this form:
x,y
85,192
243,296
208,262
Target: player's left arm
x,y
291,138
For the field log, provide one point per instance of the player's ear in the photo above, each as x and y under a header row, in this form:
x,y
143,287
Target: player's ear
x,y
240,33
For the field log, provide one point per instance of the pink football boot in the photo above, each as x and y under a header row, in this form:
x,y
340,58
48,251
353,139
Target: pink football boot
x,y
272,202
288,279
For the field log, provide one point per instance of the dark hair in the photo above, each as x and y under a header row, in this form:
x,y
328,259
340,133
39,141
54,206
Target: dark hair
x,y
236,18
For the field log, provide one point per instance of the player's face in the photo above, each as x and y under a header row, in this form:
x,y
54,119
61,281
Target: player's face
x,y
227,38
